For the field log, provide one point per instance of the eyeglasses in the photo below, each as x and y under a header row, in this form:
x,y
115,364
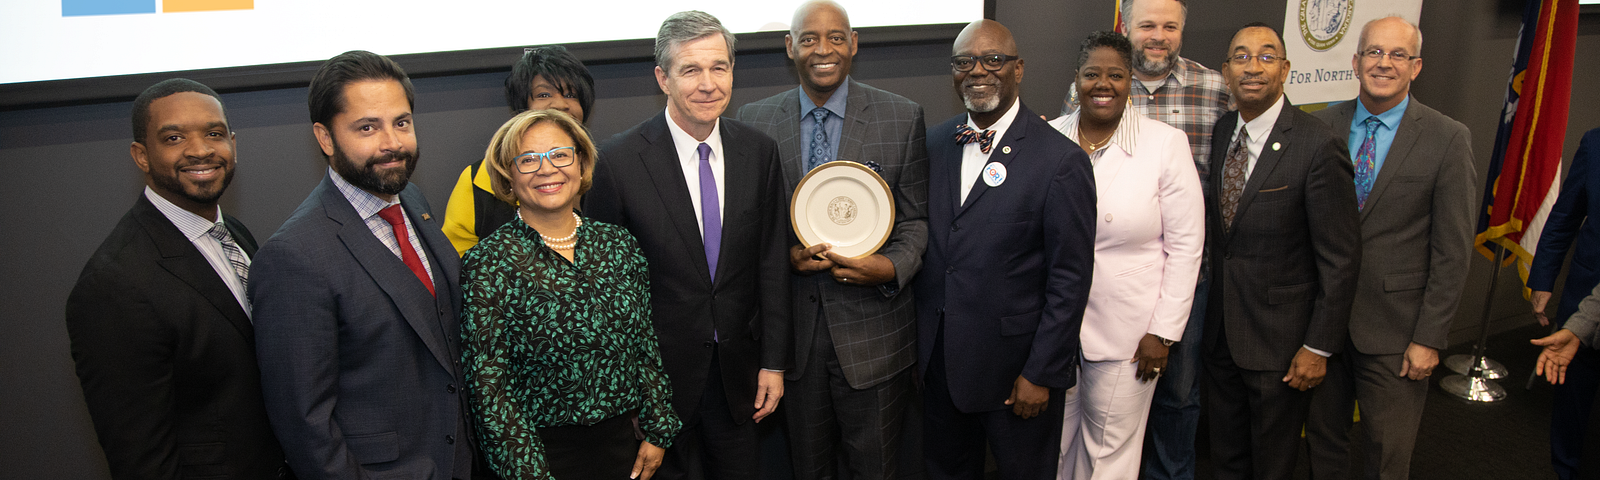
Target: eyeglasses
x,y
964,63
531,162
1265,58
1396,56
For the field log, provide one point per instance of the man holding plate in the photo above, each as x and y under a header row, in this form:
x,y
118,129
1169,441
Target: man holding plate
x,y
1011,222
853,312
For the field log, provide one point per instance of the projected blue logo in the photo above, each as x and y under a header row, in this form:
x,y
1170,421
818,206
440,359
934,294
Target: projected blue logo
x,y
80,8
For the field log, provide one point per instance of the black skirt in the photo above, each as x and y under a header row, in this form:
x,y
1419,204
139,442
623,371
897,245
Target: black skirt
x,y
603,451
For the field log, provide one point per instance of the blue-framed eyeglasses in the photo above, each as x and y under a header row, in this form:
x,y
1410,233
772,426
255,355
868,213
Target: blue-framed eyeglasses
x,y
558,157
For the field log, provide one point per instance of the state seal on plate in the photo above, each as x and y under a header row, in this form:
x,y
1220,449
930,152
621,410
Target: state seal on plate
x,y
1323,23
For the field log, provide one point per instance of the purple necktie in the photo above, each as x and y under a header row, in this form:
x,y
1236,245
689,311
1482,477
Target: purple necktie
x,y
710,212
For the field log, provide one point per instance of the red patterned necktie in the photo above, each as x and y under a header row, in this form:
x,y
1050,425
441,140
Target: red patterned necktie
x,y
392,214
966,135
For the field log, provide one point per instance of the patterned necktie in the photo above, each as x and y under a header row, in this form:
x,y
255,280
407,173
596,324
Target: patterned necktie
x,y
966,135
392,214
1233,177
241,267
1366,161
710,212
819,140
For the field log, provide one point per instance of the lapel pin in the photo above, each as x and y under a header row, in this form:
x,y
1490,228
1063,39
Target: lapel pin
x,y
994,174
1006,149
1276,146
427,217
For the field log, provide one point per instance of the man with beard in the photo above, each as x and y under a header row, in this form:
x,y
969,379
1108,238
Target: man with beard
x,y
1286,246
159,324
356,297
854,318
1011,207
1185,94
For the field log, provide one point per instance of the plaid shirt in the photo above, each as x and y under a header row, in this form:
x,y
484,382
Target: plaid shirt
x,y
1192,99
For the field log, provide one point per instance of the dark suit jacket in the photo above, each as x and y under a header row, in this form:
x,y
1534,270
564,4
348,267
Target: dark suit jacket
x,y
639,185
360,364
167,358
1566,226
1285,274
1416,232
1007,274
873,328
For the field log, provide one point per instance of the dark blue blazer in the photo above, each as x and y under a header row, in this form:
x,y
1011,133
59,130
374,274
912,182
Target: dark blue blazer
x,y
1566,226
1008,273
360,365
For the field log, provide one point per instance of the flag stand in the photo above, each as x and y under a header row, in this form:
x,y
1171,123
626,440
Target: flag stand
x,y
1476,383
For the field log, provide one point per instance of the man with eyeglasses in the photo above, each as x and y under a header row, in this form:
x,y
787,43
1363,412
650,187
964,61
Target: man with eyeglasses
x,y
1285,245
1011,222
854,318
1416,188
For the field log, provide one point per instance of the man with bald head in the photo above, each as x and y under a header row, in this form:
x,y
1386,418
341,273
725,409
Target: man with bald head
x,y
1416,188
1011,208
854,320
1285,245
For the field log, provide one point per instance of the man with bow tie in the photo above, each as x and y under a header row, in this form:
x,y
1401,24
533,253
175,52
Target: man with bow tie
x,y
1011,223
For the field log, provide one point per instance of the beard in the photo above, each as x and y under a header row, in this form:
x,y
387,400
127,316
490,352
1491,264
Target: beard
x,y
367,177
203,194
979,105
1152,68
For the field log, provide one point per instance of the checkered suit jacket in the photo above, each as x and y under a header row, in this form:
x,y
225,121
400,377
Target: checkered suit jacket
x,y
873,328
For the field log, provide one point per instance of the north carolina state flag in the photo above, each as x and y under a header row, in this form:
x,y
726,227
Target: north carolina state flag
x,y
1525,171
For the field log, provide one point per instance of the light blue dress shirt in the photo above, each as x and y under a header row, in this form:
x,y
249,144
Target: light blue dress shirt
x,y
1390,122
833,126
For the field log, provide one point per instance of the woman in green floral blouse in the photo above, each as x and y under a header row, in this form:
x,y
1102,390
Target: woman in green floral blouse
x,y
561,355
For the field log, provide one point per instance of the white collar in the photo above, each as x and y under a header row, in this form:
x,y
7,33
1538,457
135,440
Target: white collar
x,y
687,146
1261,126
1000,126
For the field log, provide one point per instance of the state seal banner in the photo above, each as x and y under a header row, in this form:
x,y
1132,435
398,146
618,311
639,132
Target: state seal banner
x,y
1321,38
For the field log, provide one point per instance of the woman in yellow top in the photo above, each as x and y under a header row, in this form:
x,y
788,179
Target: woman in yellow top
x,y
545,78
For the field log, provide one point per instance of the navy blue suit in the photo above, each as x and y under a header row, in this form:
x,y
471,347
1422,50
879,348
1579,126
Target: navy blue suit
x,y
1565,228
1002,290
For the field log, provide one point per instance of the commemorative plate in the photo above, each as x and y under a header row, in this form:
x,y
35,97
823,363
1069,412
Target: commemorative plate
x,y
844,204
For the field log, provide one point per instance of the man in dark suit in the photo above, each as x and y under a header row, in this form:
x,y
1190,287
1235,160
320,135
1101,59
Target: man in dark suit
x,y
854,327
356,297
1285,239
704,196
1416,190
159,324
1567,228
1011,207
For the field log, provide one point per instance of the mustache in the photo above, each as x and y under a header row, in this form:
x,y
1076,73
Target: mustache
x,y
405,156
1156,43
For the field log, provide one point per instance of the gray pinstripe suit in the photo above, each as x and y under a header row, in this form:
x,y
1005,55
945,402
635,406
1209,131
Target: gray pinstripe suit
x,y
851,378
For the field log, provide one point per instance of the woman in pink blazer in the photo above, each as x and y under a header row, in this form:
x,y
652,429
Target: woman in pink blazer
x,y
1149,235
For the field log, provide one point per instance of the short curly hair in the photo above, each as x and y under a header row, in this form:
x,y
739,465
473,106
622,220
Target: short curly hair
x,y
1105,39
507,145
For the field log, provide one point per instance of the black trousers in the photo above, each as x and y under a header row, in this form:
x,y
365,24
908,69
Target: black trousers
x,y
1255,417
711,445
954,441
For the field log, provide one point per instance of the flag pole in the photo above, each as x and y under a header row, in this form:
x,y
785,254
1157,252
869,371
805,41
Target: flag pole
x,y
1476,373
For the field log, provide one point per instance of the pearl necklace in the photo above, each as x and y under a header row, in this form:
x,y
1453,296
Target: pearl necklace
x,y
564,243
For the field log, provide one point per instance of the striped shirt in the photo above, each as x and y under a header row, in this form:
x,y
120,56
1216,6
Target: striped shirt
x,y
1191,98
367,206
1125,137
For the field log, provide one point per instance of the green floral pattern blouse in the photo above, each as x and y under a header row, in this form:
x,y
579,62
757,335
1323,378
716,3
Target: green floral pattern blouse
x,y
549,342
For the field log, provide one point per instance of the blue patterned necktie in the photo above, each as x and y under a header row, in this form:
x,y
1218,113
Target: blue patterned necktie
x,y
819,140
1366,161
966,135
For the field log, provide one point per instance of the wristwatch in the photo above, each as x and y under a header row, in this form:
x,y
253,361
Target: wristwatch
x,y
1167,343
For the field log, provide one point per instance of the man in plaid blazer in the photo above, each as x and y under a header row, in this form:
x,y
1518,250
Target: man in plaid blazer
x,y
854,318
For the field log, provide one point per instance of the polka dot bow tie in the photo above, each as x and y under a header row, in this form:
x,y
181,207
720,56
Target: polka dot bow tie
x,y
966,135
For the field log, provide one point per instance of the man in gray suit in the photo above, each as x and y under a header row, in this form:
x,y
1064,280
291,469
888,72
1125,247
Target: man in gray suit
x,y
854,318
1416,189
356,299
1285,245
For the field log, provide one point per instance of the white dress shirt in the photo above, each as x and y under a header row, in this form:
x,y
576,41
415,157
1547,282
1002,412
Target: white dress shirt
x,y
972,157
689,160
197,229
